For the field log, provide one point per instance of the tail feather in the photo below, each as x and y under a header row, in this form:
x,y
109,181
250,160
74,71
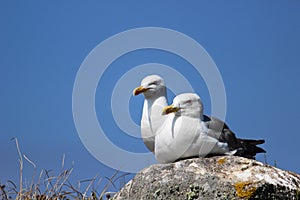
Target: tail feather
x,y
245,147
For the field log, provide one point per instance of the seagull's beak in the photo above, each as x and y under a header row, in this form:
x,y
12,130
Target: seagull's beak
x,y
139,90
169,109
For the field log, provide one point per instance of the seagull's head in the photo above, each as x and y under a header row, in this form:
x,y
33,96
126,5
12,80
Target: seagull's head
x,y
152,86
186,104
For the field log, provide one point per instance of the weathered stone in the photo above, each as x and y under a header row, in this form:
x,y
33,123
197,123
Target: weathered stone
x,y
219,177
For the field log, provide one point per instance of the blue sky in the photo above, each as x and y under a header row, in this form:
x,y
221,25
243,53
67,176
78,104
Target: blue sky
x,y
255,45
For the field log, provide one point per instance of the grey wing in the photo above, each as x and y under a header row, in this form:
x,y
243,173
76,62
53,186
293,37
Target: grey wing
x,y
215,123
220,130
215,127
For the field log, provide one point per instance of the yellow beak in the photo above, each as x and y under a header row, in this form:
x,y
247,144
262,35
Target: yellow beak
x,y
169,109
139,90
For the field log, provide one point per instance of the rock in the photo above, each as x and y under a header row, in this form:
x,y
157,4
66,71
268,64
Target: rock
x,y
219,177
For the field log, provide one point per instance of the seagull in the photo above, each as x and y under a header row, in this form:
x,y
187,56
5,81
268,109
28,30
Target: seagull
x,y
154,91
186,134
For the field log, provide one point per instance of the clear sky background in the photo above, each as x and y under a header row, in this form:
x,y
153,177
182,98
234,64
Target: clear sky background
x,y
255,45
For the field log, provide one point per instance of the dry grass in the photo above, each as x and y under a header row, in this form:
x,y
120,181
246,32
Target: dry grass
x,y
57,187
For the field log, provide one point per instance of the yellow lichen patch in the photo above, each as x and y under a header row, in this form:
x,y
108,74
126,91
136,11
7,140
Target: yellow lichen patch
x,y
244,189
221,161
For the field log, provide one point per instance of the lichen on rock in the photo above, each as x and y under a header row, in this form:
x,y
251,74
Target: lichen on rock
x,y
244,189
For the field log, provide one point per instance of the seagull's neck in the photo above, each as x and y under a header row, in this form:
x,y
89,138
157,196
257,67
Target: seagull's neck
x,y
152,113
160,101
153,108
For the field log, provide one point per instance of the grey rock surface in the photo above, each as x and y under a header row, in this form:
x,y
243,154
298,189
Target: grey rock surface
x,y
219,177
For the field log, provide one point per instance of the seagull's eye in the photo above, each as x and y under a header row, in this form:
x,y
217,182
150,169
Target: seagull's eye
x,y
188,102
153,83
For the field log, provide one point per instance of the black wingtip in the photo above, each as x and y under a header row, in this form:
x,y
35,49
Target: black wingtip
x,y
260,150
252,142
249,149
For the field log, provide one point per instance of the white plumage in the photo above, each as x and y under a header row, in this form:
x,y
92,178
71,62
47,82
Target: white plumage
x,y
184,134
